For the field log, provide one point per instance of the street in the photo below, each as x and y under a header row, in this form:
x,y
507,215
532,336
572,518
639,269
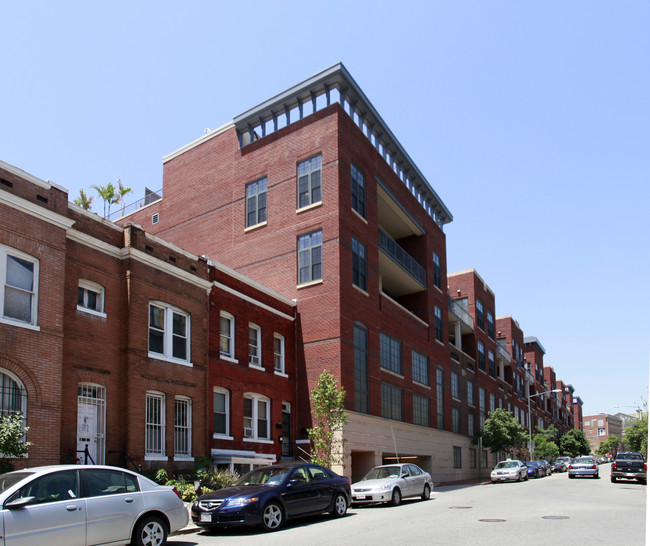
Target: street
x,y
553,509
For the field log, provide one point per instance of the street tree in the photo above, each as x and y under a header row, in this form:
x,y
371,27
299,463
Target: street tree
x,y
545,446
12,440
636,436
502,432
608,446
574,443
328,418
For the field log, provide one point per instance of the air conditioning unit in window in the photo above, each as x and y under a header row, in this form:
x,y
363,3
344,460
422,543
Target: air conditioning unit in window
x,y
254,360
248,432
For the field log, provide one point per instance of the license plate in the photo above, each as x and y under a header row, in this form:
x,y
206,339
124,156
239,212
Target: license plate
x,y
206,517
360,497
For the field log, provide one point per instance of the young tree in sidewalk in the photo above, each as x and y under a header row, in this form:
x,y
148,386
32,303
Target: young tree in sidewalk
x,y
502,432
608,446
545,447
328,417
574,443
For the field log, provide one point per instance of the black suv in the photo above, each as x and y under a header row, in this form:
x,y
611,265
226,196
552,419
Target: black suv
x,y
629,465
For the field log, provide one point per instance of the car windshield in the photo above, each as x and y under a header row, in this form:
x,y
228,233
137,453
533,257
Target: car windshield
x,y
584,460
382,472
11,478
531,463
263,476
507,464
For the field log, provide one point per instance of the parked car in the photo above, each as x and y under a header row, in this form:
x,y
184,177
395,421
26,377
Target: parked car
x,y
392,483
509,470
545,467
534,470
583,466
561,464
629,465
270,495
87,504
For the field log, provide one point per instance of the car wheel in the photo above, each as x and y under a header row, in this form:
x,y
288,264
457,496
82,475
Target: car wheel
x,y
340,505
518,477
643,481
571,476
272,517
526,477
597,476
613,479
426,493
150,531
396,498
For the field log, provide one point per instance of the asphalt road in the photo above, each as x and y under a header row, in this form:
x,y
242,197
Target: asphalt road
x,y
549,510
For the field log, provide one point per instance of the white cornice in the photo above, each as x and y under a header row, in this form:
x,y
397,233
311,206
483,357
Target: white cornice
x,y
45,184
198,141
252,300
35,210
169,269
93,242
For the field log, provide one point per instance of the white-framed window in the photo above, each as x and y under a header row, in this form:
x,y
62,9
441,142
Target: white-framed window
x,y
169,332
254,345
601,432
227,333
154,442
256,202
257,416
13,396
182,427
19,295
221,412
90,297
310,257
278,353
309,181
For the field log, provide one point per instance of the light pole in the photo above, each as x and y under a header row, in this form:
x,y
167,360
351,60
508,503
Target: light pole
x,y
530,423
638,410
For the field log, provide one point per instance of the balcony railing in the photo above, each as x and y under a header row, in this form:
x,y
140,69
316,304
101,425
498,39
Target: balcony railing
x,y
150,197
401,257
503,352
461,313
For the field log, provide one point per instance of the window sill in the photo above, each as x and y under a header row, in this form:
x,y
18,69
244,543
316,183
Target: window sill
x,y
359,215
309,207
91,312
221,437
25,325
229,359
310,283
392,373
256,226
256,367
280,374
422,384
258,441
163,358
359,289
183,458
155,458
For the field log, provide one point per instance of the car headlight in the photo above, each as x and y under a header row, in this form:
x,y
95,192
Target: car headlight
x,y
242,501
382,487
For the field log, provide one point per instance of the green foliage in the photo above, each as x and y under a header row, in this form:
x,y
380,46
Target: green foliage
x,y
83,200
574,443
636,436
328,417
608,446
502,432
12,440
107,193
545,446
210,479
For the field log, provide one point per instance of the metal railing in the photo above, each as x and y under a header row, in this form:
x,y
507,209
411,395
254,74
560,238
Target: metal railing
x,y
150,197
401,257
460,313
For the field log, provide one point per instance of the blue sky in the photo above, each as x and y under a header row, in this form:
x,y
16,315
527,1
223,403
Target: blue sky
x,y
530,120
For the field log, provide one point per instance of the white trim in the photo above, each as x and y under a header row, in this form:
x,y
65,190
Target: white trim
x,y
34,327
254,301
35,210
258,441
199,141
45,184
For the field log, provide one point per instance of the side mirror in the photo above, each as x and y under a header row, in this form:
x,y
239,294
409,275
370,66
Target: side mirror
x,y
20,503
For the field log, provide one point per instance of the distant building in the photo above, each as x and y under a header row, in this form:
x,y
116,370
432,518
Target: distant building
x,y
598,428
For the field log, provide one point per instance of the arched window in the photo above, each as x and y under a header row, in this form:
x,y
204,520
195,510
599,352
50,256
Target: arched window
x,y
13,396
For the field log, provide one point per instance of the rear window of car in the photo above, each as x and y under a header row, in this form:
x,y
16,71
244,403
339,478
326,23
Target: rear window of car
x,y
102,482
630,456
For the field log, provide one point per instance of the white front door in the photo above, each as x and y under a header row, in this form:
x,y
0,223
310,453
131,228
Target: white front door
x,y
91,423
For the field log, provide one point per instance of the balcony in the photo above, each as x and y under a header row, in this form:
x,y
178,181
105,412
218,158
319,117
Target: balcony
x,y
467,322
503,353
400,273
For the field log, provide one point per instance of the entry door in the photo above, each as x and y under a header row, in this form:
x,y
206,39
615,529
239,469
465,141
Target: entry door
x,y
91,422
286,430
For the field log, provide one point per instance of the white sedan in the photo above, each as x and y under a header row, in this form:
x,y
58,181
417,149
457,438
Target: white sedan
x,y
79,505
391,483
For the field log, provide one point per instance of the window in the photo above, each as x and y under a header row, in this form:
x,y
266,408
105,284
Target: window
x,y
587,423
221,412
19,276
169,330
391,402
481,400
13,396
455,420
420,366
53,487
480,348
361,398
310,258
438,315
90,297
455,389
358,191
601,432
390,351
183,427
278,354
103,482
154,443
480,321
470,393
601,422
257,411
458,460
254,344
491,364
309,181
227,335
256,202
490,321
437,280
472,457
492,402
420,410
440,394
470,425
359,277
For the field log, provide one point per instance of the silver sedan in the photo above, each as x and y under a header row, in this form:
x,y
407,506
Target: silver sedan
x,y
78,505
391,483
510,470
583,466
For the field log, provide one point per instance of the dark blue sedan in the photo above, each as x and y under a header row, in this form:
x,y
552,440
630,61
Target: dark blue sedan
x,y
534,470
270,495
